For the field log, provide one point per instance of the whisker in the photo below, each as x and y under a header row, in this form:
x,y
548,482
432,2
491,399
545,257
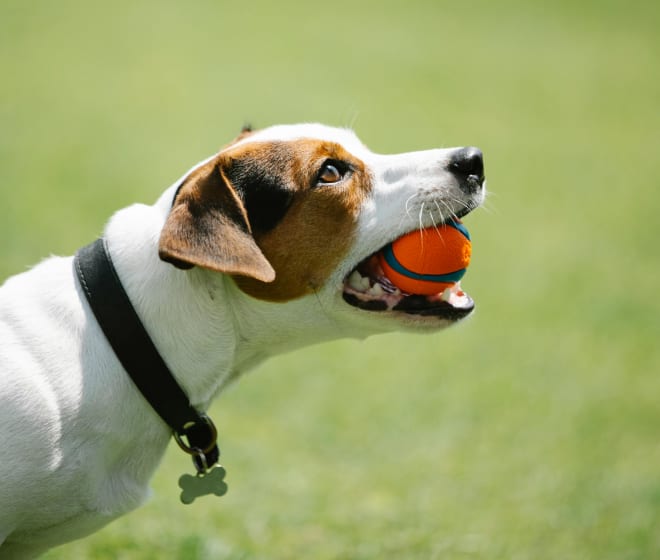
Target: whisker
x,y
486,206
421,217
421,224
452,214
461,203
411,197
442,218
435,226
407,209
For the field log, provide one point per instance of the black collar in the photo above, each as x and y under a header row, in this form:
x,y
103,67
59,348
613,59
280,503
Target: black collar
x,y
140,358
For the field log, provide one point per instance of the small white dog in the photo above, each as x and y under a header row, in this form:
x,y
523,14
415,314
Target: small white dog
x,y
260,249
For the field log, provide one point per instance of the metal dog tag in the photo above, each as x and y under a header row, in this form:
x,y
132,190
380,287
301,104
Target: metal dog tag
x,y
203,484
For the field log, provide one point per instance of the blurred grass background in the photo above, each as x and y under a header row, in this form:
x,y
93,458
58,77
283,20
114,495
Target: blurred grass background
x,y
532,431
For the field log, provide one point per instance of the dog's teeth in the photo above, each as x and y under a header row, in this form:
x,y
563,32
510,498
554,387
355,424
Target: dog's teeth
x,y
355,280
446,295
358,282
376,290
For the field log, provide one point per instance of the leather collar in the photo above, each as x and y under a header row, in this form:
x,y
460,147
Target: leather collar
x,y
139,356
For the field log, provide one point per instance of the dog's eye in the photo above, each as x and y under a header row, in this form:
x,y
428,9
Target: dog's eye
x,y
332,172
329,174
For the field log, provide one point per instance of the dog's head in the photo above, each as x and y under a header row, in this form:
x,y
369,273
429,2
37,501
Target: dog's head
x,y
294,211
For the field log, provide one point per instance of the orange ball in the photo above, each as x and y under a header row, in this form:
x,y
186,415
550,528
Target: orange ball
x,y
428,261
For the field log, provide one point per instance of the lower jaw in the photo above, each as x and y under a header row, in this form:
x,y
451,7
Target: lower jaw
x,y
452,304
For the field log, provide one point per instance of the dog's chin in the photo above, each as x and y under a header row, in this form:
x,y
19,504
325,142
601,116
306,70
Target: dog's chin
x,y
368,289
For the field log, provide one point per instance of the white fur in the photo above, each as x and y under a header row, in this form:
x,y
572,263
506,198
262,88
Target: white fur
x,y
79,442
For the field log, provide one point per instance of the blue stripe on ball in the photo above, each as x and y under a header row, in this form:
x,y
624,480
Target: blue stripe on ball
x,y
460,227
391,260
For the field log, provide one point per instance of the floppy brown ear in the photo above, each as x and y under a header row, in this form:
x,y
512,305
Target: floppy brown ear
x,y
208,227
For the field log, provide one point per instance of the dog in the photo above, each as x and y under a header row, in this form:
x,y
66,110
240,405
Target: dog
x,y
264,247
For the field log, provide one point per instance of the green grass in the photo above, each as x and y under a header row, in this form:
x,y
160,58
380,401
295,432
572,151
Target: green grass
x,y
531,432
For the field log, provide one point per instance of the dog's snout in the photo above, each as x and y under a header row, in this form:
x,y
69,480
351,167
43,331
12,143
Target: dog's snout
x,y
468,165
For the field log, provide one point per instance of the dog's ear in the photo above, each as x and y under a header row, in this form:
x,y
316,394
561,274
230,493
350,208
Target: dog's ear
x,y
208,227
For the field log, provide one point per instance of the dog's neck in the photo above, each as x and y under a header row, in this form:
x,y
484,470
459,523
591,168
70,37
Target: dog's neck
x,y
209,332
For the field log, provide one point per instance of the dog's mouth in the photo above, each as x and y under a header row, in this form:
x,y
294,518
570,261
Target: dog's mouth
x,y
367,288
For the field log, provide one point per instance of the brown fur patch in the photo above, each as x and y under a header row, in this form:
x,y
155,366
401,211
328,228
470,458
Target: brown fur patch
x,y
316,232
257,205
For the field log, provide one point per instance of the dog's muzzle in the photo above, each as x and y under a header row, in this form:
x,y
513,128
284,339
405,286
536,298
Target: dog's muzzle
x,y
367,286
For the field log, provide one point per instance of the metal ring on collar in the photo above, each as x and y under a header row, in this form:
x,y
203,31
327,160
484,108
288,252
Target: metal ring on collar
x,y
213,436
200,462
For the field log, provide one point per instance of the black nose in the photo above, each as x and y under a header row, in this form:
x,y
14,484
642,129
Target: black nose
x,y
468,165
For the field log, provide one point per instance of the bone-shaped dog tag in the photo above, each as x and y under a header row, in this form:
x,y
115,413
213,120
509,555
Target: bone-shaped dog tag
x,y
195,486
